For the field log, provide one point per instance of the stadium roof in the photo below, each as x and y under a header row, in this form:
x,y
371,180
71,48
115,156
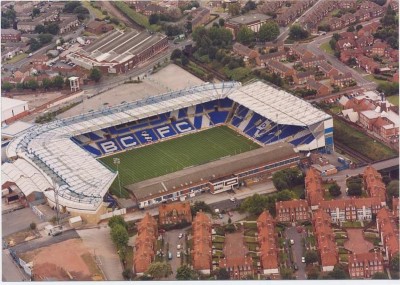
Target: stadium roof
x,y
277,105
214,170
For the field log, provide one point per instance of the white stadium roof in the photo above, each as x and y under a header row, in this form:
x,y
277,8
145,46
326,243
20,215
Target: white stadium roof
x,y
83,181
277,105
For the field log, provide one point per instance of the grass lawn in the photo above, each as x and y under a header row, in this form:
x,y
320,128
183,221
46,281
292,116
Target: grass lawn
x,y
360,142
311,240
340,242
250,225
218,245
298,190
173,155
326,47
336,109
370,77
343,257
353,224
95,11
218,239
250,232
17,58
250,239
393,99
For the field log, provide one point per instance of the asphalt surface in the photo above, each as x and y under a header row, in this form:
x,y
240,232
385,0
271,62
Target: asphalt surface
x,y
172,238
18,220
45,241
297,249
11,272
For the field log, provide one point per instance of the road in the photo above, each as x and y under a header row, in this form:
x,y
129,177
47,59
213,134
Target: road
x,y
314,47
297,250
285,32
172,238
10,270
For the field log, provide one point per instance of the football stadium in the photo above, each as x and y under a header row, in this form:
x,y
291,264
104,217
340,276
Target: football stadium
x,y
208,138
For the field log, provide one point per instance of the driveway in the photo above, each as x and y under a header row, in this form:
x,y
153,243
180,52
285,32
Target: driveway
x,y
13,272
98,242
297,248
18,220
172,238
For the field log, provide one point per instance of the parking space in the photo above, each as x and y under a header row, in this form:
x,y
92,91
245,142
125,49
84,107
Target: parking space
x,y
291,233
18,220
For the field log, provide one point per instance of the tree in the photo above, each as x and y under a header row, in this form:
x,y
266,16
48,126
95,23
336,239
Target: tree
x,y
338,272
117,220
58,82
287,178
32,226
47,83
221,22
127,274
95,74
186,273
285,195
334,190
70,6
184,60
35,12
234,9
313,274
81,10
176,53
45,38
119,236
296,32
159,270
354,189
32,84
286,273
53,28
200,206
6,86
245,35
380,275
254,205
40,29
34,45
154,19
393,189
359,27
174,13
311,256
394,263
268,31
221,274
389,88
5,24
351,29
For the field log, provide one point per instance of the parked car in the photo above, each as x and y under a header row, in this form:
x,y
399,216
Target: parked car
x,y
180,235
303,259
178,246
169,255
233,199
178,254
295,267
292,242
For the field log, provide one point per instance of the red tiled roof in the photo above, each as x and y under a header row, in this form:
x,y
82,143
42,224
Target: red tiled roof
x,y
267,239
389,230
179,210
144,244
374,183
314,189
202,245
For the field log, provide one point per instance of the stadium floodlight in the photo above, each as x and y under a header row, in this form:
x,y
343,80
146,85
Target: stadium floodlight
x,y
117,162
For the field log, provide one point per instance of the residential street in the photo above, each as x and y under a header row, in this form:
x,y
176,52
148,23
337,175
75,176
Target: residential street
x,y
297,249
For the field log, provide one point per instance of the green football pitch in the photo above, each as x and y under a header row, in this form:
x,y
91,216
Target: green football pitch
x,y
176,154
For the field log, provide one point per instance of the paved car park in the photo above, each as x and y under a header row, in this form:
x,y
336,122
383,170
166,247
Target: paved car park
x,y
18,220
173,240
297,249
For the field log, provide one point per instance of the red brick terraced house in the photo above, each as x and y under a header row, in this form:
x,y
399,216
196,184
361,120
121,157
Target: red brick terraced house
x,y
145,244
174,213
373,184
314,189
327,69
342,80
202,243
314,61
321,89
268,244
280,69
303,77
364,265
325,240
244,51
10,35
388,232
292,211
264,58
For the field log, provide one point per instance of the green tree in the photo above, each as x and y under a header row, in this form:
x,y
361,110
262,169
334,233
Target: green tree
x,y
284,195
334,190
354,189
311,256
95,74
287,178
184,60
296,32
351,29
53,28
5,24
176,53
34,45
58,82
80,10
380,275
394,263
234,9
47,83
45,38
359,27
159,270
154,19
286,273
268,31
40,29
32,84
127,274
119,236
221,274
200,206
32,226
255,204
184,272
35,12
313,274
221,22
389,88
245,35
70,6
338,272
117,220
7,86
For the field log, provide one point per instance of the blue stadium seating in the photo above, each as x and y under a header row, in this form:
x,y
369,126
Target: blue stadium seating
x,y
112,143
197,122
92,150
164,131
240,114
157,121
146,136
218,117
182,113
75,140
93,136
210,105
139,126
225,103
252,123
303,140
183,126
199,109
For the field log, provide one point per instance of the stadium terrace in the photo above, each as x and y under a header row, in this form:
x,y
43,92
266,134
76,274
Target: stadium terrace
x,y
63,154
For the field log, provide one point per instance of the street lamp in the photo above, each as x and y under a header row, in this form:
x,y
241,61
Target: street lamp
x,y
117,162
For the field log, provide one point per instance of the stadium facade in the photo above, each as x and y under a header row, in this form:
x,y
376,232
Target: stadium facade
x,y
63,154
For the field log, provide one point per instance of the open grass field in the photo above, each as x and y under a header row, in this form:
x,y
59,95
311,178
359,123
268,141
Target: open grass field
x,y
360,142
176,154
393,99
326,47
